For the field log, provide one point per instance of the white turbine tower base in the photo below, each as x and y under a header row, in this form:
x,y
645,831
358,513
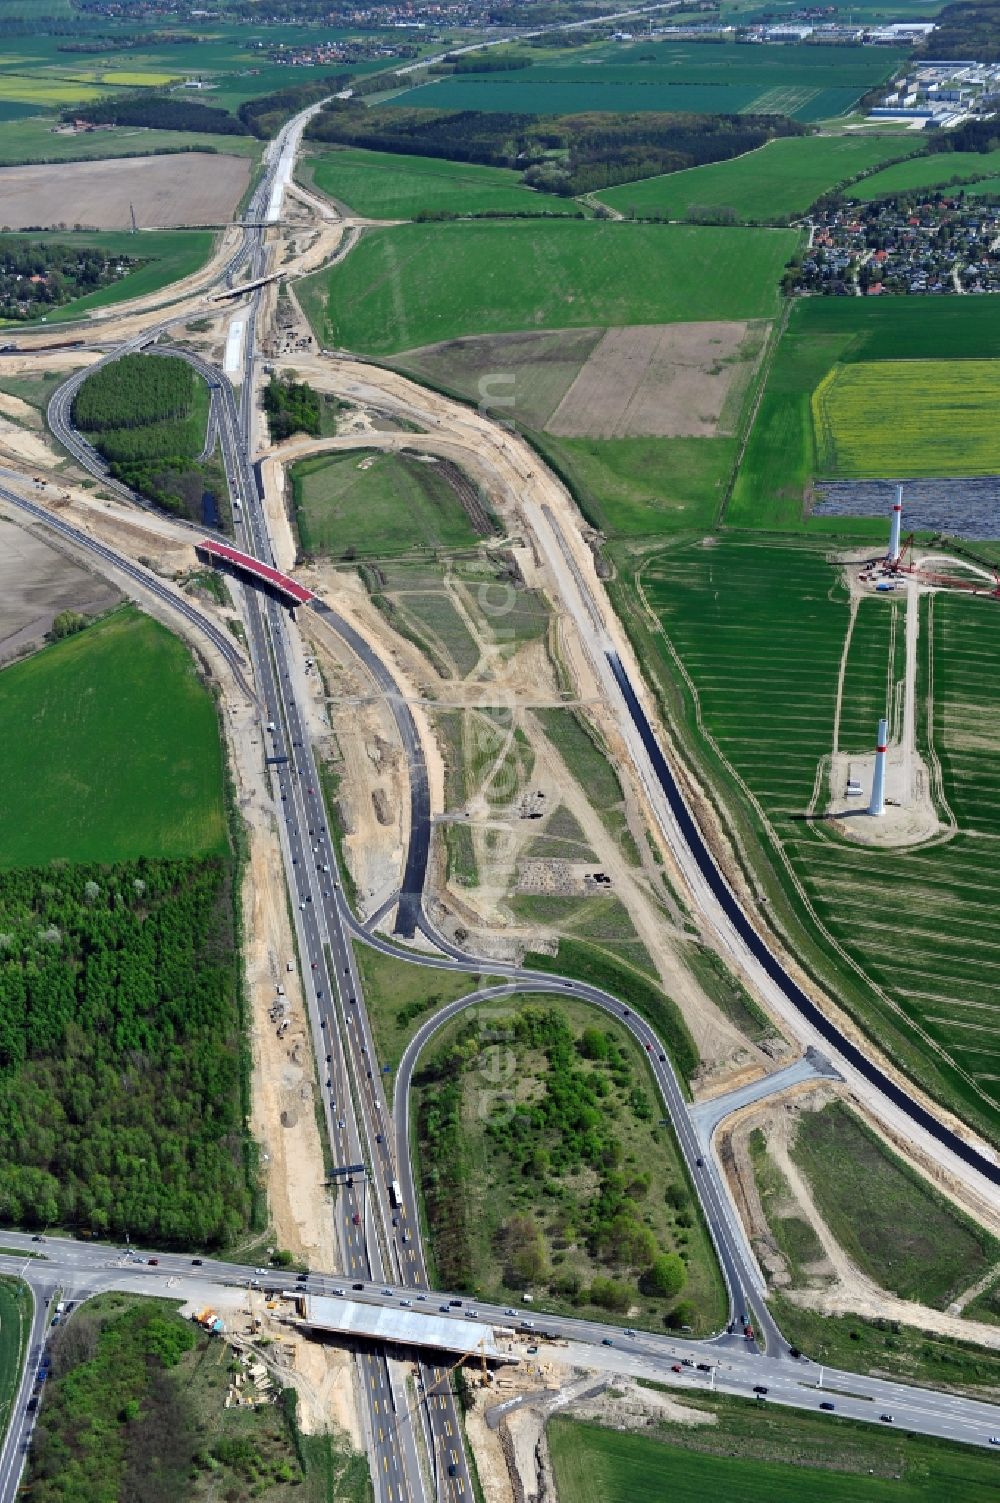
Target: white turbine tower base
x,y
877,805
896,527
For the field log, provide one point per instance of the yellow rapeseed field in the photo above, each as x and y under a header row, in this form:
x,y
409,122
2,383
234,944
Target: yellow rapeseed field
x,y
45,90
126,80
907,418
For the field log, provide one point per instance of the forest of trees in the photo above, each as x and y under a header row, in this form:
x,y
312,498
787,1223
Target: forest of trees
x,y
134,391
291,407
969,29
143,415
158,112
36,275
598,150
121,1064
567,1134
134,1410
264,117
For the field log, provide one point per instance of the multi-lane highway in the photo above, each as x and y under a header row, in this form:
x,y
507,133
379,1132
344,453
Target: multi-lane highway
x,y
376,1226
75,1270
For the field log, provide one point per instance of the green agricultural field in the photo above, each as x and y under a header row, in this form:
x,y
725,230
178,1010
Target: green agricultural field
x,y
389,294
34,140
780,463
760,630
808,83
908,418
908,1238
116,752
545,1167
167,255
941,169
782,1457
385,186
777,182
370,505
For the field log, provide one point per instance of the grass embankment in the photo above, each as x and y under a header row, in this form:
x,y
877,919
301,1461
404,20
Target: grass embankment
x,y
763,655
546,1168
389,294
15,1325
135,1407
884,1348
116,752
400,996
796,1238
748,1454
370,505
891,1222
780,180
383,185
642,487
167,257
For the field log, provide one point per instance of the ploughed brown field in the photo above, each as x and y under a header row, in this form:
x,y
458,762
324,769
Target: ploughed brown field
x,y
186,188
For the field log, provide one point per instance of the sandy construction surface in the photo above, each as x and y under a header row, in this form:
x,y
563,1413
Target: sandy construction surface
x,y
657,381
37,581
185,188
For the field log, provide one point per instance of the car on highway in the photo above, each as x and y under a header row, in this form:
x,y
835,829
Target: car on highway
x,y
676,1368
628,1331
405,1302
509,1311
606,1341
826,1404
995,1440
387,1291
196,1262
445,1309
154,1262
886,1419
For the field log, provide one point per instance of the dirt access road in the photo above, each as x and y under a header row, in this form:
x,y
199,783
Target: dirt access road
x,y
590,628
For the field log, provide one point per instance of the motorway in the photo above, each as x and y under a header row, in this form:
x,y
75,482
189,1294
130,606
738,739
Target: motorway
x,y
377,1230
76,1270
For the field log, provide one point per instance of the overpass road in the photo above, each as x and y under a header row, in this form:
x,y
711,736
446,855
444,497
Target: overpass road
x,y
73,1271
377,1230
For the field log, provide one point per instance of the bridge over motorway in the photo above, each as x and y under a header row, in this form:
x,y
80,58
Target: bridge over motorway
x,y
261,573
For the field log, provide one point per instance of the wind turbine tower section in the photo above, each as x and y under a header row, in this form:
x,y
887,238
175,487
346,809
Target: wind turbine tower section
x,y
895,528
877,805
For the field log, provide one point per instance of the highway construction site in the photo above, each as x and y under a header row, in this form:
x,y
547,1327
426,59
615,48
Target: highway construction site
x,y
322,679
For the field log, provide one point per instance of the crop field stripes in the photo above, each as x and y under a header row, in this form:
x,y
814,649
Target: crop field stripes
x,y
916,926
781,100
